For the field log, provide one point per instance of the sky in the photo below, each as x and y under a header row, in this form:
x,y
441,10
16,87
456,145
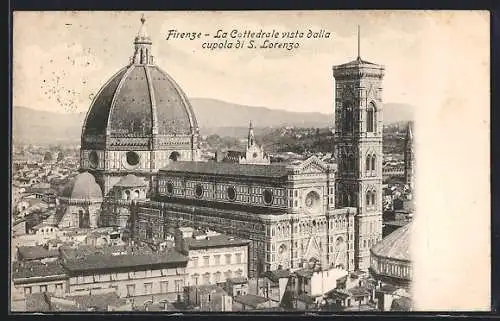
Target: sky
x,y
61,59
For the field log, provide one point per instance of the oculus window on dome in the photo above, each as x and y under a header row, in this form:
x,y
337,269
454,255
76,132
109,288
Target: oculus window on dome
x,y
174,156
132,158
231,193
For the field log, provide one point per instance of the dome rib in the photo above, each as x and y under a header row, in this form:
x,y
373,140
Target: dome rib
x,y
131,110
113,101
190,113
101,112
140,101
154,111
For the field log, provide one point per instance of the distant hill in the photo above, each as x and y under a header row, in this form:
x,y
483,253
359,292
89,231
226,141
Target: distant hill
x,y
44,127
214,116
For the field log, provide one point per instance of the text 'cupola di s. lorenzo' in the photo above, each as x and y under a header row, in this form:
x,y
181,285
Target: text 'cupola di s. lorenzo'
x,y
358,147
139,121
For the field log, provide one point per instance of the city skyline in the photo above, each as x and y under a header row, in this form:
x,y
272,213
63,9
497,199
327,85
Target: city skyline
x,y
62,59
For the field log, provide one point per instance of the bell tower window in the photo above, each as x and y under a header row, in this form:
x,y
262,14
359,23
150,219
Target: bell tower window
x,y
370,118
348,118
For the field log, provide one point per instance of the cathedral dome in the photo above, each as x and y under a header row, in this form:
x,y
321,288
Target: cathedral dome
x,y
140,100
82,187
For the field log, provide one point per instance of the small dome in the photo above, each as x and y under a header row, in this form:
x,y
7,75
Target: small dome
x,y
82,187
131,181
396,245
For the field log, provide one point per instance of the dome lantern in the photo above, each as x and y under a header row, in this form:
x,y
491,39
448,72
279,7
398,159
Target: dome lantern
x,y
142,45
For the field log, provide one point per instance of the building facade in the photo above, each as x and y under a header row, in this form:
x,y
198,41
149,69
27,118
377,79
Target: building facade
x,y
213,257
287,211
130,274
295,215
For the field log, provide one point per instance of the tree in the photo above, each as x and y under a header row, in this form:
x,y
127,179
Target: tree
x,y
60,156
47,157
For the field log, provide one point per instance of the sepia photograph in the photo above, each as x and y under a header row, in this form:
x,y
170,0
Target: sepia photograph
x,y
242,161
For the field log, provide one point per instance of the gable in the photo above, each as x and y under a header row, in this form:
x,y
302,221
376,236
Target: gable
x,y
313,250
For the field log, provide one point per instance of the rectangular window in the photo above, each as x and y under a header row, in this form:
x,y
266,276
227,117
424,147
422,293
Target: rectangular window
x,y
43,288
238,258
178,285
206,261
130,290
148,288
228,258
27,290
195,262
59,286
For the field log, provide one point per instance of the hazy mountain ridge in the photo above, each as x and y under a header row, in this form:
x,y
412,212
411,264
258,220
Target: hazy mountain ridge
x,y
45,127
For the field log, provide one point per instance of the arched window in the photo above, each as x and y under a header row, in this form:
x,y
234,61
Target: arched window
x,y
370,118
373,198
127,195
368,163
351,162
368,198
136,194
347,121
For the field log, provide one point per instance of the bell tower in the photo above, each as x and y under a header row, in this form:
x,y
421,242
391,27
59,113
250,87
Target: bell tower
x,y
358,149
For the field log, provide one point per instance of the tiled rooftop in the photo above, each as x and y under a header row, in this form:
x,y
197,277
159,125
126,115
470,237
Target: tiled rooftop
x,y
251,300
227,169
31,269
45,302
395,245
207,289
277,274
238,280
35,252
214,241
200,205
102,259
